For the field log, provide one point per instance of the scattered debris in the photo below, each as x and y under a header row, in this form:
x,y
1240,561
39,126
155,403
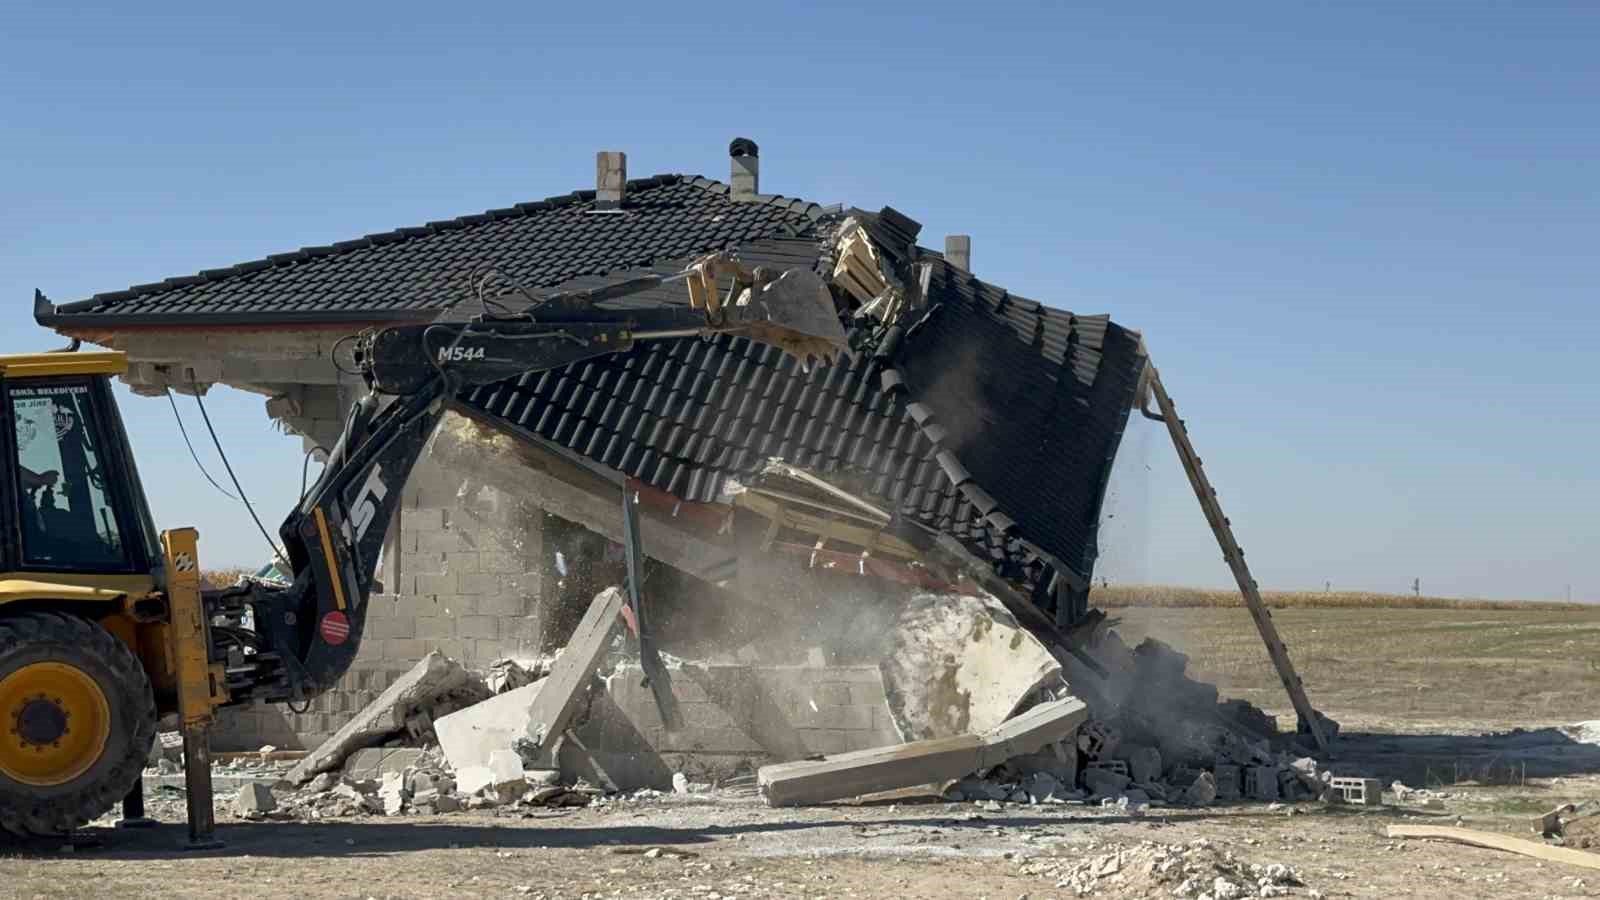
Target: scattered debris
x,y
436,684
1194,870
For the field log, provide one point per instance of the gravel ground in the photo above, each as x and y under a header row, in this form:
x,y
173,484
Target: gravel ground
x,y
726,846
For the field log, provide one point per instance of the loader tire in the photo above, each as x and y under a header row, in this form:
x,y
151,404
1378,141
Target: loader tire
x,y
77,719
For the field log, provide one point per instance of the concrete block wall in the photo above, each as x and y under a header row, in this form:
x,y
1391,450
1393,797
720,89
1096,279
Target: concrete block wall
x,y
734,719
463,573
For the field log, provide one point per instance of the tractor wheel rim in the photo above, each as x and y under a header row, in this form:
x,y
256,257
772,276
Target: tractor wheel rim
x,y
54,723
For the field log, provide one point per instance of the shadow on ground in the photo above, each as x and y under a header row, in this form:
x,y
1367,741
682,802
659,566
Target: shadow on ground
x,y
381,837
1431,760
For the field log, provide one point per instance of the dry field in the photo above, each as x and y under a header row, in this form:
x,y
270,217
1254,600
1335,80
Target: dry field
x,y
1122,596
1405,670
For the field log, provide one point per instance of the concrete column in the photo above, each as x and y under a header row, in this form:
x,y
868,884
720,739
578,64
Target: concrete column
x,y
610,178
958,251
745,170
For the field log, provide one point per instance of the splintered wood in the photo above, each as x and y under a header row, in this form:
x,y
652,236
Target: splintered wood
x,y
919,762
857,268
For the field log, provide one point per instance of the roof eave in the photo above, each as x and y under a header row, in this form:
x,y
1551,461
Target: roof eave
x,y
49,315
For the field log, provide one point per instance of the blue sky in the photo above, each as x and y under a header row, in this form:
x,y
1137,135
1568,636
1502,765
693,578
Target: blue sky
x,y
1360,241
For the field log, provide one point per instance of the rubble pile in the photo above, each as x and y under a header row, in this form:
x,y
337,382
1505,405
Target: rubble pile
x,y
424,785
1159,736
1198,870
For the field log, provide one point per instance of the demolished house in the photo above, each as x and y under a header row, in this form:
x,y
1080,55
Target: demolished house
x,y
895,547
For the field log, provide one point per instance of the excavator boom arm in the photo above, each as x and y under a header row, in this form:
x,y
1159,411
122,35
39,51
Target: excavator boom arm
x,y
307,634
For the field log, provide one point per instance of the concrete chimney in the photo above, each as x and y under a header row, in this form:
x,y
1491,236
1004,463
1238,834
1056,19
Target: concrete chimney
x,y
958,251
610,178
745,181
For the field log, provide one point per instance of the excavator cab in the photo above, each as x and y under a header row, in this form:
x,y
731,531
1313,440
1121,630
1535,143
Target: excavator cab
x,y
79,573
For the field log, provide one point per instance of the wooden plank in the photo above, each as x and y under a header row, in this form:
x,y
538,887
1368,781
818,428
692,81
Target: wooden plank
x,y
872,538
801,475
918,762
554,705
1231,552
1499,842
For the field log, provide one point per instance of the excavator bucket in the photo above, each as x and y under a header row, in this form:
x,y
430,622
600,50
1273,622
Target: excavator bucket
x,y
795,313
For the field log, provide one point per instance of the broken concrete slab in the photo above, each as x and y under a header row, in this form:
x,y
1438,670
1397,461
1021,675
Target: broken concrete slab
x,y
1203,791
1105,782
468,736
960,664
254,800
473,779
1144,763
505,768
918,762
553,707
372,763
431,680
870,771
392,793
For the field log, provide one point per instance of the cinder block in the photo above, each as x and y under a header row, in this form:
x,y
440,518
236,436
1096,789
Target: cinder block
x,y
522,583
436,583
1358,791
705,716
404,649
1261,782
478,627
446,541
455,648
383,627
853,718
503,604
463,562
831,695
477,583
434,628
485,651
499,562
724,740
413,605
421,518
418,563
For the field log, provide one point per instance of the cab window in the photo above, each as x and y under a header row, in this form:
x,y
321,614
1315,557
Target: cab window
x,y
67,510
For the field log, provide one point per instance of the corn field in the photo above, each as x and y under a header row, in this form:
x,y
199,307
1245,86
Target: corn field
x,y
1166,596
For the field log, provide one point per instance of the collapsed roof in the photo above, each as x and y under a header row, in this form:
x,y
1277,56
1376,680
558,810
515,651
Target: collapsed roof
x,y
964,411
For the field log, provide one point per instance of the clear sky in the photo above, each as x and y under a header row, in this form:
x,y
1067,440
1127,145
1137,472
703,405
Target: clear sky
x,y
1360,239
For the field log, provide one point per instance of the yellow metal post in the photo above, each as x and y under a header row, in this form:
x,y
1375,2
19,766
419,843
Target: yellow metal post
x,y
200,683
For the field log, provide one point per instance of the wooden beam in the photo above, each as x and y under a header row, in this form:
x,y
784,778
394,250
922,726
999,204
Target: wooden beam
x,y
844,496
800,520
1234,556
1499,842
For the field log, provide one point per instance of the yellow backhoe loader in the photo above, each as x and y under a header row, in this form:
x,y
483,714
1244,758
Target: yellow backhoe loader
x,y
104,626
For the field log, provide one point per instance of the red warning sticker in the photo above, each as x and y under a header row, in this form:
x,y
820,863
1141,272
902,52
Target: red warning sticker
x,y
335,628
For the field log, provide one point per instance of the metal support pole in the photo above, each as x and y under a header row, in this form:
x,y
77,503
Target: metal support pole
x,y
197,782
133,809
655,674
1310,719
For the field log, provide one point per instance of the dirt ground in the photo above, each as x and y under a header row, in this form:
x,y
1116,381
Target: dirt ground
x,y
1410,715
